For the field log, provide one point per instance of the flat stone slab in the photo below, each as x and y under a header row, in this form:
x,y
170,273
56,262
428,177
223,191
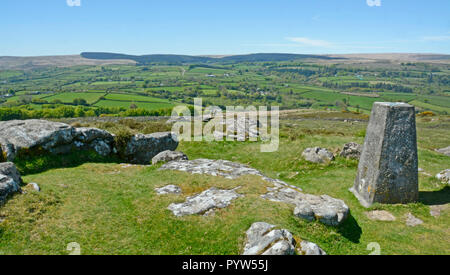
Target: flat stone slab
x,y
445,151
207,200
411,220
168,189
380,215
266,239
323,208
223,168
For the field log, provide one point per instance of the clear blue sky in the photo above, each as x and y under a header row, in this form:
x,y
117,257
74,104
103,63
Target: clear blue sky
x,y
51,27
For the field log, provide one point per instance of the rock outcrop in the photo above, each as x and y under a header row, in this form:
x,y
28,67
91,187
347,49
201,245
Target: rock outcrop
x,y
317,155
92,138
18,135
242,127
223,168
351,150
266,239
207,200
40,136
238,128
24,136
142,148
380,215
444,176
10,180
323,208
167,156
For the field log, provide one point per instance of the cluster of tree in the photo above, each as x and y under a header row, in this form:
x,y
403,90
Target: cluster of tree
x,y
367,85
52,111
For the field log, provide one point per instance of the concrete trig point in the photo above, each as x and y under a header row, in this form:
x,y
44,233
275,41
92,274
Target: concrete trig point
x,y
387,170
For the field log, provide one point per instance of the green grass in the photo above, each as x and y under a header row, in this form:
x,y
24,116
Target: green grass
x,y
108,209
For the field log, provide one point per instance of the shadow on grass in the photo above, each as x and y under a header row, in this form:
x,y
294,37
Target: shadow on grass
x,y
350,229
435,197
28,165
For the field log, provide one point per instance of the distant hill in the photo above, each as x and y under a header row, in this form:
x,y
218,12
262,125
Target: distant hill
x,y
405,57
104,58
144,59
24,63
169,58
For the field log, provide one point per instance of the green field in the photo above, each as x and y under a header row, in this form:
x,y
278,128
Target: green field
x,y
69,97
127,104
133,97
289,85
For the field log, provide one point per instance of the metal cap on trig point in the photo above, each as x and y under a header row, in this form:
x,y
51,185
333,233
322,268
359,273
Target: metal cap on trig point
x,y
387,170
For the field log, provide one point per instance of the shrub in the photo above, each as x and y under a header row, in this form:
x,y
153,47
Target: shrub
x,y
123,136
361,133
426,114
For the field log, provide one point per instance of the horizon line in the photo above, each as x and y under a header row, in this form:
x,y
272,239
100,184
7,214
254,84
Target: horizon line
x,y
224,55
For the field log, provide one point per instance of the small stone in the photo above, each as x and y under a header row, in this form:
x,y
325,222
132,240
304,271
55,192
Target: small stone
x,y
169,189
380,215
266,239
309,248
168,155
351,150
263,239
35,186
444,176
445,151
412,221
317,155
435,210
210,213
